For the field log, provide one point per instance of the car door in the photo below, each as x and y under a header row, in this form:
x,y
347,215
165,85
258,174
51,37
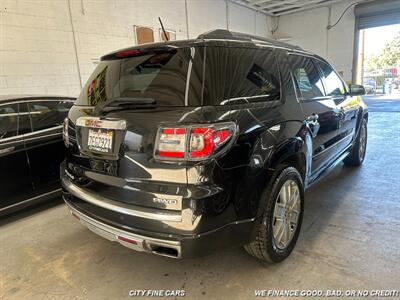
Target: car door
x,y
320,112
44,144
346,105
15,181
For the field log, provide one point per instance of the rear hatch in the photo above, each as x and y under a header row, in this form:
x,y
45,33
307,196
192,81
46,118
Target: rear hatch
x,y
116,119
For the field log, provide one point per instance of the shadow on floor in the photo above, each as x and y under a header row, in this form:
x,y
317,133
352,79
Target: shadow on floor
x,y
30,211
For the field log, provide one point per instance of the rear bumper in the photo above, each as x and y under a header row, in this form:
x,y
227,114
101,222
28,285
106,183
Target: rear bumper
x,y
230,235
121,223
130,240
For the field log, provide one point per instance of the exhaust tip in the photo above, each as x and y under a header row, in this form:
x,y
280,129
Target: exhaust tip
x,y
165,251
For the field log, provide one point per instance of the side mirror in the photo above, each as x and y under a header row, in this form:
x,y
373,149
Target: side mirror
x,y
356,90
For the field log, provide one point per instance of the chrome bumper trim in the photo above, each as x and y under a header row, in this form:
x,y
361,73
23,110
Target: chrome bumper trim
x,y
127,209
31,199
144,243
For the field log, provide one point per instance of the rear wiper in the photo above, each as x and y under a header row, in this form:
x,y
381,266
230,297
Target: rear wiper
x,y
125,101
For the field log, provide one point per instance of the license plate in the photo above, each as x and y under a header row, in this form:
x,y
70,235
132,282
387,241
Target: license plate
x,y
100,140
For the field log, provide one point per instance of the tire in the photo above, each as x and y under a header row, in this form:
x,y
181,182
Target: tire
x,y
357,154
267,246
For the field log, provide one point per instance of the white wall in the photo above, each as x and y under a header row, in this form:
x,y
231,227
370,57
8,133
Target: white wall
x,y
308,29
37,52
36,48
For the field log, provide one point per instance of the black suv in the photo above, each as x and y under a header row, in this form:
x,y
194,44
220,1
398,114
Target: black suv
x,y
182,148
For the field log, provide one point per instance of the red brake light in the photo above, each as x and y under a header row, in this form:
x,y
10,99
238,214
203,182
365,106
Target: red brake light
x,y
75,215
201,142
192,142
221,136
127,53
124,239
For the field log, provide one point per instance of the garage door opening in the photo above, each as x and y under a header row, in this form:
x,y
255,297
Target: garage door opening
x,y
378,54
379,66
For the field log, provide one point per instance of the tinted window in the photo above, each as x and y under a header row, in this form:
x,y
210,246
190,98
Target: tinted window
x,y
24,124
8,120
155,74
333,84
47,114
307,76
240,73
63,108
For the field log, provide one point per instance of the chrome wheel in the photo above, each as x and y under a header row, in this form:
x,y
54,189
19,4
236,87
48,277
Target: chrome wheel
x,y
363,142
286,214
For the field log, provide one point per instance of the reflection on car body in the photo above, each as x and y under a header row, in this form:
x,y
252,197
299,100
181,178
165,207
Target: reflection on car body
x,y
31,148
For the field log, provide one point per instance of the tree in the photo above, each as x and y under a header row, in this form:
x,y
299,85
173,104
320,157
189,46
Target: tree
x,y
372,63
389,57
391,53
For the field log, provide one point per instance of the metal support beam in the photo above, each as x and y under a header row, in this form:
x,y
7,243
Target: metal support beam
x,y
256,2
306,7
283,3
298,4
246,4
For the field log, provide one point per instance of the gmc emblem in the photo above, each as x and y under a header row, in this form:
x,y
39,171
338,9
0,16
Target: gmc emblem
x,y
93,123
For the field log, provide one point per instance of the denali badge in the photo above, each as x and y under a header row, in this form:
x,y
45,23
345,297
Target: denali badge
x,y
93,123
165,201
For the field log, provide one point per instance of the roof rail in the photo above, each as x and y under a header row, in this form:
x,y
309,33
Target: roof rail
x,y
223,34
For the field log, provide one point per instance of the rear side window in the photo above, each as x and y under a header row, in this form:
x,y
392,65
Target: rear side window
x,y
47,114
8,120
240,75
334,86
307,77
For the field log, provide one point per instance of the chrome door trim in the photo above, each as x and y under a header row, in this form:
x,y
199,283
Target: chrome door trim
x,y
332,146
42,131
7,150
31,199
27,135
26,101
127,209
42,136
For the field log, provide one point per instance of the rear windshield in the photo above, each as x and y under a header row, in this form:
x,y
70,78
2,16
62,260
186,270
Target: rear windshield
x,y
218,76
159,75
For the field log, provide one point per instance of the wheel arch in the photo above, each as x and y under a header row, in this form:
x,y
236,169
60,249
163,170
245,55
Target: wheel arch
x,y
292,153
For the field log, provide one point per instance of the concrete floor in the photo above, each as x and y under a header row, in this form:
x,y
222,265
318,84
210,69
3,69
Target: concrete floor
x,y
350,239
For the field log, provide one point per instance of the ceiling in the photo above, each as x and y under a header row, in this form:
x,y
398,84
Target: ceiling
x,y
284,7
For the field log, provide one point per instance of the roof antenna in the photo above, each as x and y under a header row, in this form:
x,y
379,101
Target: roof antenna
x,y
162,27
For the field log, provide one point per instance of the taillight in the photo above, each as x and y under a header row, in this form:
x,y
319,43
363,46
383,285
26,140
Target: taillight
x,y
65,132
194,142
171,142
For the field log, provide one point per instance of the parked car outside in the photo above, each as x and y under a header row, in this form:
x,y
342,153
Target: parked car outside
x,y
369,86
186,147
369,89
31,149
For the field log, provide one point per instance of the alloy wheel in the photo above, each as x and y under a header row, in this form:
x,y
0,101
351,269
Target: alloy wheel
x,y
363,142
286,214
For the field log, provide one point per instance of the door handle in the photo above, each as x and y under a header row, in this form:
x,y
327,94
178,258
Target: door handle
x,y
342,114
7,150
312,118
313,125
